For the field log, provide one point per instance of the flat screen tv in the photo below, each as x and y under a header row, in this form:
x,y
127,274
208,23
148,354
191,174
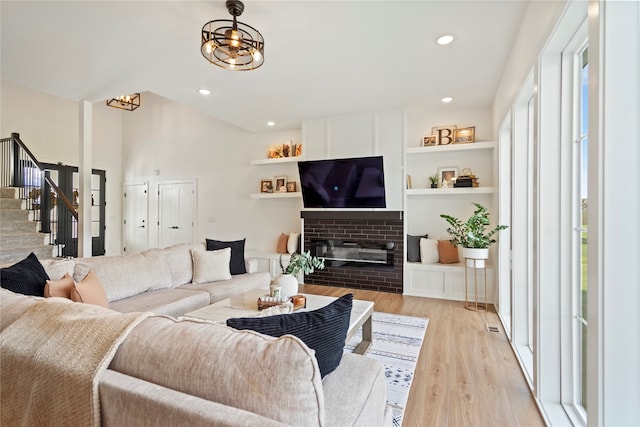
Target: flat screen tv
x,y
343,183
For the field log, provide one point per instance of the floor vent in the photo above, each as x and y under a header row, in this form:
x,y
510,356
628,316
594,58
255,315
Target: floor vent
x,y
493,328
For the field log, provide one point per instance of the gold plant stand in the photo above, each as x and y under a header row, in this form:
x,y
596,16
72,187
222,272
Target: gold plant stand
x,y
475,264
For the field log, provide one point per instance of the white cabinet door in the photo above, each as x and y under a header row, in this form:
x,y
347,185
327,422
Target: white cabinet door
x,y
136,218
176,213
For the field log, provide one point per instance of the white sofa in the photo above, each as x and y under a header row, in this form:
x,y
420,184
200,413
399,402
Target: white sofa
x,y
157,280
190,372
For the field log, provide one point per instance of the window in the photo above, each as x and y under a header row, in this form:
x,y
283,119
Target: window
x,y
580,240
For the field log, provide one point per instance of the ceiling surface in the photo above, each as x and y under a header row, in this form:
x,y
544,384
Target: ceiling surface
x,y
322,58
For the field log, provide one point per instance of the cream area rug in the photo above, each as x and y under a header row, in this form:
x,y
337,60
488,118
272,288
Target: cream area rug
x,y
52,357
397,341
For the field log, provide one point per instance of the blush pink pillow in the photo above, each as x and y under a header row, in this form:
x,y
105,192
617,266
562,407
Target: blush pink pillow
x,y
90,291
59,288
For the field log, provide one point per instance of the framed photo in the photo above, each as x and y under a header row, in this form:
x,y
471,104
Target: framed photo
x,y
291,187
447,177
464,135
429,141
266,186
444,134
281,184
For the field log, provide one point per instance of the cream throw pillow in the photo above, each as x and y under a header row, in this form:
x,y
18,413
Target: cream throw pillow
x,y
429,251
292,243
211,266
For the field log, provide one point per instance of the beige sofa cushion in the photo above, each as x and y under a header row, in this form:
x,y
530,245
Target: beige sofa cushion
x,y
127,401
179,261
172,302
238,284
57,268
126,275
274,377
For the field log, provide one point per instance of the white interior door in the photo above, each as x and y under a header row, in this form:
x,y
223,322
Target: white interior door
x,y
176,213
136,218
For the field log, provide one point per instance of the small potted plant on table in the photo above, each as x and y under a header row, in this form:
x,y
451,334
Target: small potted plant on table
x,y
473,235
299,263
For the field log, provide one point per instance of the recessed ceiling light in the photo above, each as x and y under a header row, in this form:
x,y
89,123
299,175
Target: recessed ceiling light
x,y
447,99
204,91
270,123
444,39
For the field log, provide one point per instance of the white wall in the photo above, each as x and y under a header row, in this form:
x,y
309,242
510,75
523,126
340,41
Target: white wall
x,y
378,133
537,23
179,143
48,125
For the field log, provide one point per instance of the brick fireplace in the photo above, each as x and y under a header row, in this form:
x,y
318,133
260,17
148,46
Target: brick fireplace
x,y
363,249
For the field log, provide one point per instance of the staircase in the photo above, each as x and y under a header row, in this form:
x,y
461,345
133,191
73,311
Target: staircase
x,y
19,234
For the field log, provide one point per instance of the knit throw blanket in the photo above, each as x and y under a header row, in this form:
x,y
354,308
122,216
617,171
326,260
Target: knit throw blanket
x,y
51,361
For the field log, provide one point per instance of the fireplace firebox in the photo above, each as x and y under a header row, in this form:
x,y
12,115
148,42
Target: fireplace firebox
x,y
350,253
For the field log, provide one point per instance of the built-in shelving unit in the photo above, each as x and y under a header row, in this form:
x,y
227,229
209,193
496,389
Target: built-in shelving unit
x,y
452,147
287,165
280,195
424,205
449,191
275,161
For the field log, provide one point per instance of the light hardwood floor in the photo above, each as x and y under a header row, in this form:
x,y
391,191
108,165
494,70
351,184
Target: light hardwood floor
x,y
465,376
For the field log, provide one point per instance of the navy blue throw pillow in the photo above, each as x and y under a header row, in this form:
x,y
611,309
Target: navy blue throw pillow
x,y
323,330
236,265
25,277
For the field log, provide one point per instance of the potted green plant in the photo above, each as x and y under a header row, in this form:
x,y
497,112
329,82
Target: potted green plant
x,y
434,180
473,235
298,263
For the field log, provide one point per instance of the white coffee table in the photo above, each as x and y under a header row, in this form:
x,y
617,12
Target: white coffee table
x,y
246,304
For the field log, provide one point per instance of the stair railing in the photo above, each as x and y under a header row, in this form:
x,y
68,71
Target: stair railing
x,y
50,207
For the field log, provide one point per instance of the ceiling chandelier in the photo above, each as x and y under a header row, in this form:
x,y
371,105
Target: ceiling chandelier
x,y
125,102
231,44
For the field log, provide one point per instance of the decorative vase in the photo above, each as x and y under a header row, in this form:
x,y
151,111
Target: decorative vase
x,y
288,284
475,257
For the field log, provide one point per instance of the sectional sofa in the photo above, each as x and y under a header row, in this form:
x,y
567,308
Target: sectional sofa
x,y
177,371
158,280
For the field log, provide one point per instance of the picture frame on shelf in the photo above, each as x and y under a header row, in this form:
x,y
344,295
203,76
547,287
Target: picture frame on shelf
x,y
429,141
291,186
464,135
409,184
447,177
444,134
266,186
280,184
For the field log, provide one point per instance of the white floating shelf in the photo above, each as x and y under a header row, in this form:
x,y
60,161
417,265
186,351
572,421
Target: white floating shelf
x,y
452,147
448,191
275,195
275,161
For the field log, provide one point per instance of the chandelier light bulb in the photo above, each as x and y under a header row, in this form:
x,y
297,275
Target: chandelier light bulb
x,y
257,56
